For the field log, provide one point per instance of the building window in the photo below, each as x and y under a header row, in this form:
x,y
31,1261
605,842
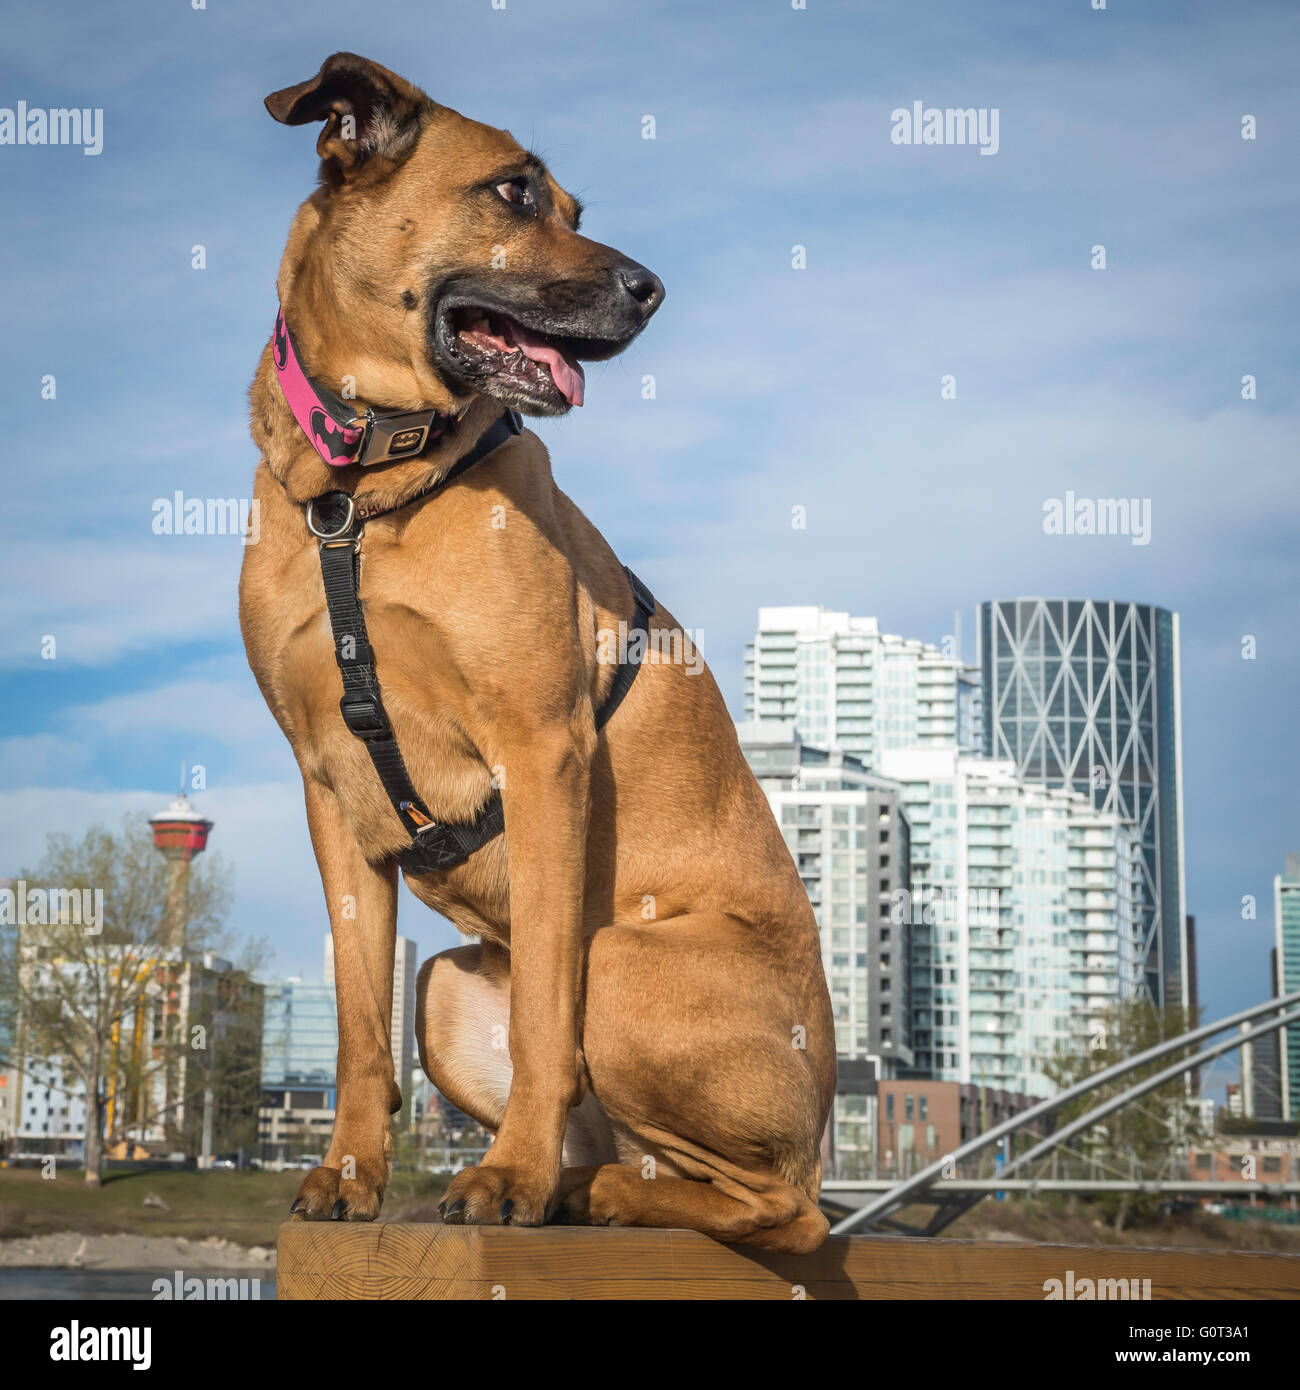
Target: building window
x,y
907,1107
925,1108
889,1106
884,861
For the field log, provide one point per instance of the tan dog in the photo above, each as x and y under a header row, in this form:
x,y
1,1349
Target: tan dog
x,y
643,933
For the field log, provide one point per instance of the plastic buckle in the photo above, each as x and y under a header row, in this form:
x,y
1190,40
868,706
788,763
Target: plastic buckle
x,y
365,716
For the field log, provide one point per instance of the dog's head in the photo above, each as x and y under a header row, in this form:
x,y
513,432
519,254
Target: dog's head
x,y
445,247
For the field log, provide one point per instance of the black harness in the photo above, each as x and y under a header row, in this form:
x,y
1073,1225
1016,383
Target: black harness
x,y
337,523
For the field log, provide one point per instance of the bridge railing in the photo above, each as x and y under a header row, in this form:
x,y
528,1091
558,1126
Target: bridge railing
x,y
879,1210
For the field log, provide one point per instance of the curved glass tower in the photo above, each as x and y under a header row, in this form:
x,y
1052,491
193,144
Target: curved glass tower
x,y
1084,693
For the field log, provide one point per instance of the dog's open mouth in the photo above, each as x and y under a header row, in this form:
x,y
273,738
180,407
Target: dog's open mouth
x,y
489,344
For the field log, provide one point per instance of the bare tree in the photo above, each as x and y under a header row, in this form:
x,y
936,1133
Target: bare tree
x,y
88,983
1143,1135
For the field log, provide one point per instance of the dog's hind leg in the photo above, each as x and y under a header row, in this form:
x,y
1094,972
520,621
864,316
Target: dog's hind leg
x,y
710,1045
462,1013
768,1213
710,1050
463,1024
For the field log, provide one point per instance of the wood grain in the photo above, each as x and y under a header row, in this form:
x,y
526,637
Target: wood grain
x,y
341,1260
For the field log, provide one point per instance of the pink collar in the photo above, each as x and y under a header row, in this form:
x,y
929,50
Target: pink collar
x,y
339,434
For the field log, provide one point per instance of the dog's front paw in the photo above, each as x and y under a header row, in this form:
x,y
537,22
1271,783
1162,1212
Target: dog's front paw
x,y
326,1195
496,1196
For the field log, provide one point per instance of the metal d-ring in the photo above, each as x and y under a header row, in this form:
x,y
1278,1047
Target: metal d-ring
x,y
343,530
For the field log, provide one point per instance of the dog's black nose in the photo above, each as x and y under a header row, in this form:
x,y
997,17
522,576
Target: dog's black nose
x,y
643,285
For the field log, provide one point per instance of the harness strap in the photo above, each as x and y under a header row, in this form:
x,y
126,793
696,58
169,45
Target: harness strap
x,y
434,845
644,602
441,846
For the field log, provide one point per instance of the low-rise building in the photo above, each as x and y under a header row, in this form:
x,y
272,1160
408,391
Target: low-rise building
x,y
185,1054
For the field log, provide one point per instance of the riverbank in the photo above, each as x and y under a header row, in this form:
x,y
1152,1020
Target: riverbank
x,y
243,1209
76,1250
163,1221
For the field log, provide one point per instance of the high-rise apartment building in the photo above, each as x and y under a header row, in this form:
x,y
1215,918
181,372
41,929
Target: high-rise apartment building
x,y
1022,913
1286,917
845,829
1084,694
845,684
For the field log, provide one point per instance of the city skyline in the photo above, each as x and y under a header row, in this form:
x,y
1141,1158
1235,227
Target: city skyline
x,y
776,389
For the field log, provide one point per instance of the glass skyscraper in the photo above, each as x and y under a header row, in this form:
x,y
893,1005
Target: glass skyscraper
x,y
1084,694
299,1037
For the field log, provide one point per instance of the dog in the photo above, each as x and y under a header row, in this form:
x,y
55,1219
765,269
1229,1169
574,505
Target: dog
x,y
641,1018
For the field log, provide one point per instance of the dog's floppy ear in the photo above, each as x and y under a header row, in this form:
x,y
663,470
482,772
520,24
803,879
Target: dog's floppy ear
x,y
367,111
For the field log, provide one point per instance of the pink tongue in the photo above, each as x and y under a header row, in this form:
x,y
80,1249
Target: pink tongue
x,y
566,371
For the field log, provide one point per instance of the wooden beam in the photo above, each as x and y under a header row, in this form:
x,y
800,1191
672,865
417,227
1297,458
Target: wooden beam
x,y
343,1260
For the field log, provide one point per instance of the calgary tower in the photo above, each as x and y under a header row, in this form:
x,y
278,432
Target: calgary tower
x,y
180,833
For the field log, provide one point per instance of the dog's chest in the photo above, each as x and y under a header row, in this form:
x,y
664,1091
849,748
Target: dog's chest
x,y
423,695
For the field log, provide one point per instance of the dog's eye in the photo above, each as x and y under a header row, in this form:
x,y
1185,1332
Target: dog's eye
x,y
517,191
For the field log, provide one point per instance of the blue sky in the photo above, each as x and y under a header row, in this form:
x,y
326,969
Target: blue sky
x,y
775,387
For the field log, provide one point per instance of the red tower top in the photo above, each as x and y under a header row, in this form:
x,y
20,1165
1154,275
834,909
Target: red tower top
x,y
179,831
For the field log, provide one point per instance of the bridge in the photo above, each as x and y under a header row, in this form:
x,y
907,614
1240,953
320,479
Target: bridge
x,y
939,1186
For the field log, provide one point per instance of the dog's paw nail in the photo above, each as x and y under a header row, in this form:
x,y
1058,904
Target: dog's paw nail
x,y
339,1210
454,1210
442,1208
298,1204
506,1208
